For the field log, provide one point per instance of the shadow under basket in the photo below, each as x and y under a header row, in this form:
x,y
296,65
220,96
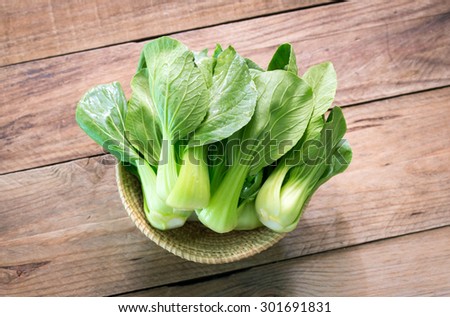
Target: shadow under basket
x,y
193,242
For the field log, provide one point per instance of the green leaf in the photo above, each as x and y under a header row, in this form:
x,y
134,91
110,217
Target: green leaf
x,y
313,129
335,127
284,59
141,63
217,51
100,113
282,113
232,99
177,87
341,159
142,122
322,148
323,81
206,65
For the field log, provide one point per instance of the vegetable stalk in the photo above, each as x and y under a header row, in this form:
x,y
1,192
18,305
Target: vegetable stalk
x,y
167,175
248,218
221,213
192,188
157,212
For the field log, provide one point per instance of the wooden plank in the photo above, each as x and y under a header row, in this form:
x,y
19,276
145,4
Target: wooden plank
x,y
373,60
64,232
412,265
33,29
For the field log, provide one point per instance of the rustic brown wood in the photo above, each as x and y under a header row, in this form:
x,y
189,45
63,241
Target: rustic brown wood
x,y
33,29
412,265
378,51
63,230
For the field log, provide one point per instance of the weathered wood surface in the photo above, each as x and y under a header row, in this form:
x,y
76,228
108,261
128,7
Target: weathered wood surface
x,y
379,50
412,265
63,230
33,29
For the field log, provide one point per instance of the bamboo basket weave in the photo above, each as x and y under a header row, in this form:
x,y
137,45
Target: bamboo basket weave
x,y
193,242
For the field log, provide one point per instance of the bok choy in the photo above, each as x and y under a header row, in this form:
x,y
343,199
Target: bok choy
x,y
219,137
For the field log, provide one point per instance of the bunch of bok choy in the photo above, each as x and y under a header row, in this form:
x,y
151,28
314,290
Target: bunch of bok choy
x,y
220,138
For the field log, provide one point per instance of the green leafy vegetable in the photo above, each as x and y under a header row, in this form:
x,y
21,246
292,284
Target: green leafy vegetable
x,y
192,189
247,216
232,99
322,79
206,65
219,135
180,95
281,115
231,105
101,114
142,122
280,208
157,212
284,58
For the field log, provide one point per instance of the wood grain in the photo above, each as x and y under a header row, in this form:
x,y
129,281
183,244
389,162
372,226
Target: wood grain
x,y
63,230
378,49
33,29
412,265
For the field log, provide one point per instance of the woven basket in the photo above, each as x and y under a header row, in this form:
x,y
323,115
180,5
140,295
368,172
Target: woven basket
x,y
193,241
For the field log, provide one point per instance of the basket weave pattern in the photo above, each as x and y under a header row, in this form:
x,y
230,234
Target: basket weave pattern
x,y
193,241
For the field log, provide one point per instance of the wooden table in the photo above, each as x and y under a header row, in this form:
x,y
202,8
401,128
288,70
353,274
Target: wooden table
x,y
382,228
